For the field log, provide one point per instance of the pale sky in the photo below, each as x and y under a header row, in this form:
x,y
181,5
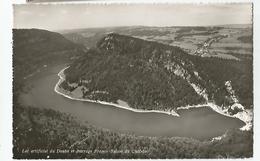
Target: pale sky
x,y
71,16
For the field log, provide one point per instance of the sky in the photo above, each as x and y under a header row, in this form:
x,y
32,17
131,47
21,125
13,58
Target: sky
x,y
72,16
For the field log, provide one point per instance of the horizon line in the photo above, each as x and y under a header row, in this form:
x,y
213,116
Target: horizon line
x,y
102,27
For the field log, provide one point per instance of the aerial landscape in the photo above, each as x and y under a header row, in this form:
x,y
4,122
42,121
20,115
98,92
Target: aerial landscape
x,y
135,85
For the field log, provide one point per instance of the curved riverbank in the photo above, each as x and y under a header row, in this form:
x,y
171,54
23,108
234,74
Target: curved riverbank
x,y
245,116
198,123
67,95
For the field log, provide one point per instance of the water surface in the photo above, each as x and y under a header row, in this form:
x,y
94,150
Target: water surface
x,y
199,123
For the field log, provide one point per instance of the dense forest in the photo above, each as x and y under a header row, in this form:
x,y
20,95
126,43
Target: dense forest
x,y
150,75
240,73
44,129
135,70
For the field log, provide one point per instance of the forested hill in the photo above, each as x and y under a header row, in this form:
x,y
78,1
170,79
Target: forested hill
x,y
34,48
150,75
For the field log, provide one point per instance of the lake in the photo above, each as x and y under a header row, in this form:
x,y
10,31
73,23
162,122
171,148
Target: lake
x,y
199,123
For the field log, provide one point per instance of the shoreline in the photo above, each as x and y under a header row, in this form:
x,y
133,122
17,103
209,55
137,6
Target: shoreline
x,y
243,116
57,90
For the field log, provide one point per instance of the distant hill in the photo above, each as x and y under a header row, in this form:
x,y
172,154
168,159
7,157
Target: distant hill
x,y
236,39
34,48
150,75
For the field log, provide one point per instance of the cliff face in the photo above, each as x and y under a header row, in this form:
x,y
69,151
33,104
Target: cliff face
x,y
145,74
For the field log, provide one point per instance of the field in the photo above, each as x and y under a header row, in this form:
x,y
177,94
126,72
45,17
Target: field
x,y
236,41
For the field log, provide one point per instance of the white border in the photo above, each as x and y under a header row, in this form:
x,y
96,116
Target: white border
x,y
6,69
134,1
6,80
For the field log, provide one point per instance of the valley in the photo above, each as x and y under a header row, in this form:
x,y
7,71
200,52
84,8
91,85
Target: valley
x,y
156,94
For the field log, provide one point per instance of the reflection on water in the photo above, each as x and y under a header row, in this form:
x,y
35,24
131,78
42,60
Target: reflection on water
x,y
199,123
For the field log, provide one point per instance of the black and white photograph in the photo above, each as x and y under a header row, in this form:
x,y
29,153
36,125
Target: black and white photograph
x,y
133,81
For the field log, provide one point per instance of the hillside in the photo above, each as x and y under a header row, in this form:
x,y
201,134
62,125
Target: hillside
x,y
48,129
34,49
150,75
